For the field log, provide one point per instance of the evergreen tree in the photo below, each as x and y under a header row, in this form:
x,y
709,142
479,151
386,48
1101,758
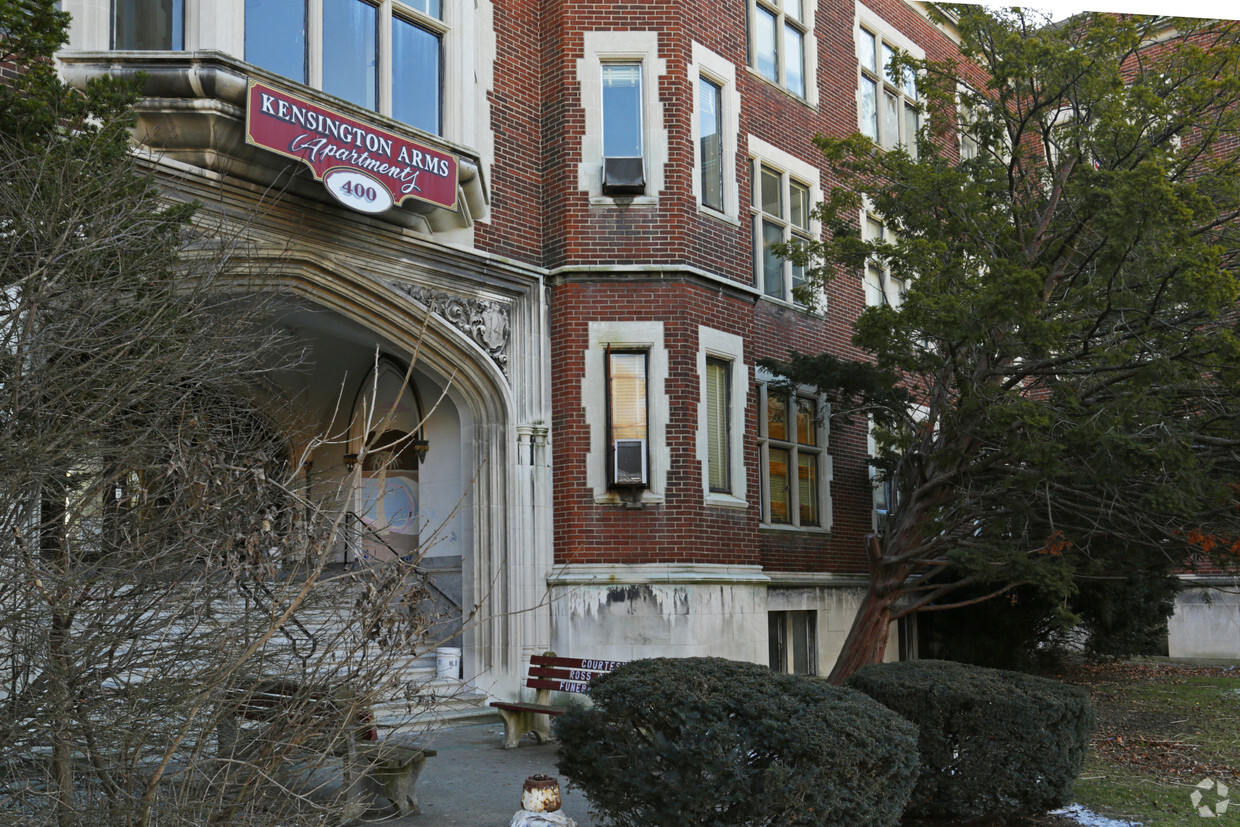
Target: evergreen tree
x,y
1056,399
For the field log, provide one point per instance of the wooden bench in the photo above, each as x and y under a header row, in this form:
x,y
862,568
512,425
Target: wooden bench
x,y
548,673
388,770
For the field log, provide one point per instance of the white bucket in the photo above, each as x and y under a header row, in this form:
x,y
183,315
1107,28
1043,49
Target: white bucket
x,y
448,662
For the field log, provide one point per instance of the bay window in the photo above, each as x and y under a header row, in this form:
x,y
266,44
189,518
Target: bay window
x,y
384,56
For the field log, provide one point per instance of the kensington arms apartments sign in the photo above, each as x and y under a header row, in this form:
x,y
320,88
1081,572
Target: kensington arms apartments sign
x,y
365,168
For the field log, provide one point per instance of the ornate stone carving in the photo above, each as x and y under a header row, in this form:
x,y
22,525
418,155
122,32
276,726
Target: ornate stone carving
x,y
485,322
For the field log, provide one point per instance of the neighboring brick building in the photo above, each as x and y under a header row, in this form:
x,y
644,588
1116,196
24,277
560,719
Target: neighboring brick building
x,y
627,485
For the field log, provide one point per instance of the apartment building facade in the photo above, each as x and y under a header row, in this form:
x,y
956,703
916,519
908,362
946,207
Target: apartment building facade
x,y
562,215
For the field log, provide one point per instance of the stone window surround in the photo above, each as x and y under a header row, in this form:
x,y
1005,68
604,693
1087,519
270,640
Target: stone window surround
x,y
604,47
730,348
714,67
647,336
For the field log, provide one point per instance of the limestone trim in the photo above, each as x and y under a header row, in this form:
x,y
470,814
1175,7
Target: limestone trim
x,y
606,574
824,579
486,323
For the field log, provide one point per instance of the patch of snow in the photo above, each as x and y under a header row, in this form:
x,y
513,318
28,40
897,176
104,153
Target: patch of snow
x,y
1091,819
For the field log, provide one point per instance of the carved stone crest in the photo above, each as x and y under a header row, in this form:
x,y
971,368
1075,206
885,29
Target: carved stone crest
x,y
485,322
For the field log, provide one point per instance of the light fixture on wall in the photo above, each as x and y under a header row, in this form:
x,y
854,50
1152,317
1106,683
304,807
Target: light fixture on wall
x,y
350,462
421,446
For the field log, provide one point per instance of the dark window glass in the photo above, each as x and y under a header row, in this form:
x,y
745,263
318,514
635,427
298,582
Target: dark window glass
x,y
157,25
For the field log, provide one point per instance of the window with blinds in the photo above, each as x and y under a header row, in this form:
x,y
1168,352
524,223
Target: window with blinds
x,y
718,427
627,419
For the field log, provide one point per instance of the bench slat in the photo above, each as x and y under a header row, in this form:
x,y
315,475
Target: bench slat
x,y
593,665
558,686
563,674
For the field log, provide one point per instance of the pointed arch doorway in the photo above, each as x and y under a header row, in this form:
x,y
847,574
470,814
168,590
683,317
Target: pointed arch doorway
x,y
388,440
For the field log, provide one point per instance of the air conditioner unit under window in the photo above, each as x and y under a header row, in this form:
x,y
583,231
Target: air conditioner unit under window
x,y
629,462
623,176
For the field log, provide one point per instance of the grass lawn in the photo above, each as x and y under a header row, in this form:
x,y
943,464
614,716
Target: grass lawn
x,y
1163,728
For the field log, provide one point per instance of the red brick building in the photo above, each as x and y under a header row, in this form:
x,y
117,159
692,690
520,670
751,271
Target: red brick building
x,y
613,477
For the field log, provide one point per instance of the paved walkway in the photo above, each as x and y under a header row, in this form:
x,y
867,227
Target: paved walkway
x,y
474,782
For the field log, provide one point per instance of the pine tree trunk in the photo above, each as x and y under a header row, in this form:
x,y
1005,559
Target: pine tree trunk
x,y
867,637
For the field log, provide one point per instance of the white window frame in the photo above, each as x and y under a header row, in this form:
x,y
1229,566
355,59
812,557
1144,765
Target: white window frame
x,y
720,71
762,154
621,47
808,40
822,450
867,21
727,347
626,336
890,289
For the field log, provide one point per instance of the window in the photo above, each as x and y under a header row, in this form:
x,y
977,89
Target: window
x,y
622,110
626,417
403,80
886,109
881,487
710,142
624,399
149,25
716,125
623,167
624,144
792,640
778,30
881,288
781,211
718,425
721,417
791,449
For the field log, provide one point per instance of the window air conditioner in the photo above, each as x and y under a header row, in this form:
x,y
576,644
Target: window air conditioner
x,y
629,462
623,176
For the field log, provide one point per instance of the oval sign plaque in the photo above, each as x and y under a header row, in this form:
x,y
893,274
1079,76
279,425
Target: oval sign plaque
x,y
357,190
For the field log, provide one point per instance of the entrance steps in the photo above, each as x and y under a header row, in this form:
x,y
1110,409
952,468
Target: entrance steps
x,y
430,702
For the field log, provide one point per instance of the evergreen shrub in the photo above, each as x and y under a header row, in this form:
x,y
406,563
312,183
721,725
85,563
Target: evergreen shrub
x,y
993,744
707,741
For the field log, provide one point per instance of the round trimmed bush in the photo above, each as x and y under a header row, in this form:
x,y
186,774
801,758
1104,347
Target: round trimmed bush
x,y
707,741
992,743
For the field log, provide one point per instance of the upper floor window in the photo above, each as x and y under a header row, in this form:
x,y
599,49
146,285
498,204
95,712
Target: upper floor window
x,y
349,58
622,110
887,109
880,286
157,25
781,211
710,142
778,30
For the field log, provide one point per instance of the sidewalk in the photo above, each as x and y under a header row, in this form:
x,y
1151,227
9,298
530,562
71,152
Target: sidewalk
x,y
473,782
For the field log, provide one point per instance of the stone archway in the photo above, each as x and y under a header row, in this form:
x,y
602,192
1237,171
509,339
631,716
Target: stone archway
x,y
468,519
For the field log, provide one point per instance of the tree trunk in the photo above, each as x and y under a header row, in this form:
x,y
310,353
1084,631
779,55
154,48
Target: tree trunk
x,y
867,637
